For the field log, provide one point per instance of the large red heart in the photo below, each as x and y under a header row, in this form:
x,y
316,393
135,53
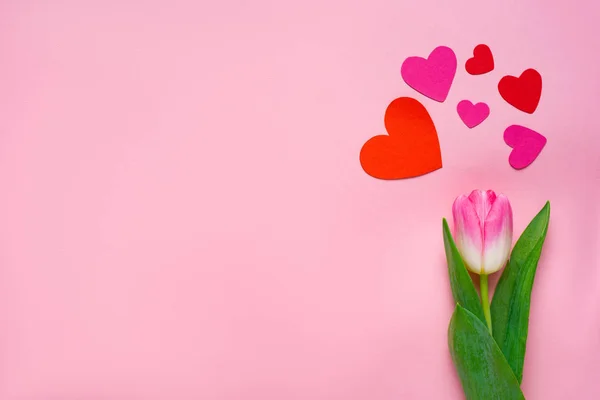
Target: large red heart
x,y
524,92
482,61
411,147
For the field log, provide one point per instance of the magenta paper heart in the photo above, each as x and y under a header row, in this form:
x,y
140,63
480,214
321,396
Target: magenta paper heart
x,y
433,76
526,143
472,114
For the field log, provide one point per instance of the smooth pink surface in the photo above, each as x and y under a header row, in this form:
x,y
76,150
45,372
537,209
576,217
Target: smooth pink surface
x,y
184,215
527,145
431,76
472,114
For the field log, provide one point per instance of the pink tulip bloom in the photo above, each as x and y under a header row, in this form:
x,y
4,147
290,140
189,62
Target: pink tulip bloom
x,y
483,226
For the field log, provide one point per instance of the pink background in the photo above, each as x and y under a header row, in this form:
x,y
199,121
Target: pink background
x,y
183,214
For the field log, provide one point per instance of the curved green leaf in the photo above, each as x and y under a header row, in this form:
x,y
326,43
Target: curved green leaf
x,y
482,368
463,290
511,302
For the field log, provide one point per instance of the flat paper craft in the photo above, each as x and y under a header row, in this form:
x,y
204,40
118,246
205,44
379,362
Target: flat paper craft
x,y
482,61
526,143
524,92
472,114
411,147
433,76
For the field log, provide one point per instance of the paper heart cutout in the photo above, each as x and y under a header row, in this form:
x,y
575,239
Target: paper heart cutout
x,y
482,61
526,143
411,147
472,114
433,76
524,92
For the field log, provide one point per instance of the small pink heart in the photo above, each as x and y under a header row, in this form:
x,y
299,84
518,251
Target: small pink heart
x,y
472,115
526,143
433,76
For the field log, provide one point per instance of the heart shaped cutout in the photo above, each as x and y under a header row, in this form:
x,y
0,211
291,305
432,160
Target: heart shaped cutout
x,y
472,114
411,147
433,76
482,61
527,145
524,92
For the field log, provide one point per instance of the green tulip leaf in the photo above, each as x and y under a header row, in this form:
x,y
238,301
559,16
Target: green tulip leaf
x,y
463,290
512,298
484,372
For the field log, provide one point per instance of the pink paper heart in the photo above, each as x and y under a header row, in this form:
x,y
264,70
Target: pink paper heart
x,y
433,76
526,143
472,114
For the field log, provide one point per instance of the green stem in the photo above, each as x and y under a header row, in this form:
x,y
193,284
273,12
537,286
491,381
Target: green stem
x,y
485,300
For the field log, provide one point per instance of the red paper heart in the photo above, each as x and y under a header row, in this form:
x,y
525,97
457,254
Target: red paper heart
x,y
482,61
412,147
523,92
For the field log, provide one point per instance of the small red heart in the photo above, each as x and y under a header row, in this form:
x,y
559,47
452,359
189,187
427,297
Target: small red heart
x,y
482,61
411,147
524,92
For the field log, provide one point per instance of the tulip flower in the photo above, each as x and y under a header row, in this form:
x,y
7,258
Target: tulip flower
x,y
483,233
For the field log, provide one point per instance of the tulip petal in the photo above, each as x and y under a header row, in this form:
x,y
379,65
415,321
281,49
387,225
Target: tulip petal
x,y
468,233
483,203
497,235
